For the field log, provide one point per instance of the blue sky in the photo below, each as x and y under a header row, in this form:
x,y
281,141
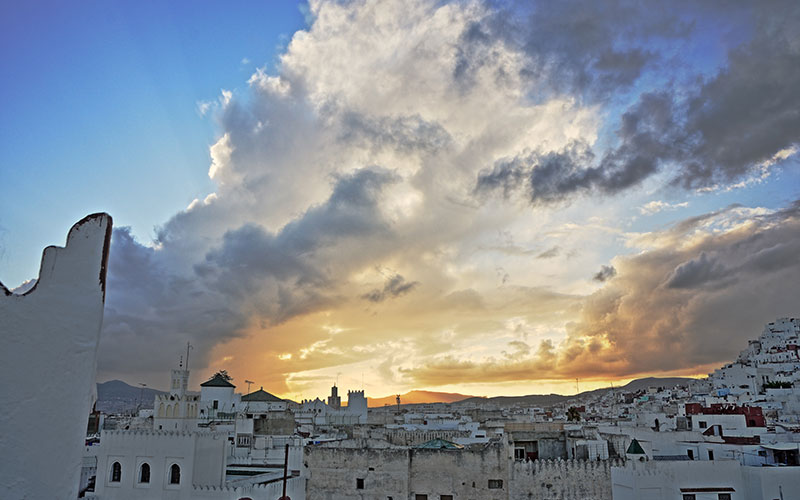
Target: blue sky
x,y
100,112
477,197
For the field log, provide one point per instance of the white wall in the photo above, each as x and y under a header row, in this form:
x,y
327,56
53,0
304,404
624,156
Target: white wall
x,y
664,480
48,361
201,457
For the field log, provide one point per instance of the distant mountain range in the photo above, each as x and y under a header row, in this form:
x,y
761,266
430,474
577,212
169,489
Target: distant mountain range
x,y
115,396
552,399
417,397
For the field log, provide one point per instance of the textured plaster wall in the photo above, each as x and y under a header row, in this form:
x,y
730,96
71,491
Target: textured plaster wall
x,y
562,479
48,357
331,473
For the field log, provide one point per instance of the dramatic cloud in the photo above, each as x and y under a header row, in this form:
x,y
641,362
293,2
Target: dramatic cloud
x,y
738,123
421,191
655,305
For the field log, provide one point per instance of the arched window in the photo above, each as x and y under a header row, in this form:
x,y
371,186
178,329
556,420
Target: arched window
x,y
116,472
174,474
144,473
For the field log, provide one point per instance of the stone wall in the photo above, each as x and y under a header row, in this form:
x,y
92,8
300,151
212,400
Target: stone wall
x,y
275,424
562,479
338,473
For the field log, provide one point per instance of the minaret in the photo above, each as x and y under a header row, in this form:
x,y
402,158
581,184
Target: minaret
x,y
180,377
334,400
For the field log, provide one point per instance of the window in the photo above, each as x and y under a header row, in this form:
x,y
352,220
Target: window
x,y
215,404
243,440
420,497
174,474
495,484
724,496
144,473
691,454
359,483
116,472
711,454
519,453
445,497
703,424
689,497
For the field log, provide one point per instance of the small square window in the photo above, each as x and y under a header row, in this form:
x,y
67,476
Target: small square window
x,y
359,484
495,484
703,424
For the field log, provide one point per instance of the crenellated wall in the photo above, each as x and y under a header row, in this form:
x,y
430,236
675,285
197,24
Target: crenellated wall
x,y
295,489
562,479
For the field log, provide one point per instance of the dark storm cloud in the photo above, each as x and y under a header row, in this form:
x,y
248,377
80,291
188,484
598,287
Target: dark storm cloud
x,y
696,272
273,275
251,258
582,48
151,310
751,109
394,287
604,274
716,133
644,140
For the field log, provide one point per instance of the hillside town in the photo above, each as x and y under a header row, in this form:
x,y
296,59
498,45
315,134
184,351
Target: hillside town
x,y
732,435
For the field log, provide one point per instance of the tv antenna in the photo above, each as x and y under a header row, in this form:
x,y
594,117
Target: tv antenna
x,y
188,346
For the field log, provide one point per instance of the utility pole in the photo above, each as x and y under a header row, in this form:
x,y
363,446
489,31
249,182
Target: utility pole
x,y
141,393
285,472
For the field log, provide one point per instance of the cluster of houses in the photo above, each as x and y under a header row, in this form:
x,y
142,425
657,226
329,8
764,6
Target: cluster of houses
x,y
734,435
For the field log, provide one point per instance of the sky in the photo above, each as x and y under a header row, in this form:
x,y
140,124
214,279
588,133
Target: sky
x,y
480,197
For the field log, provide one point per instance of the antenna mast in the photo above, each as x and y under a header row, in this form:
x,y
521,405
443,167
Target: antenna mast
x,y
188,346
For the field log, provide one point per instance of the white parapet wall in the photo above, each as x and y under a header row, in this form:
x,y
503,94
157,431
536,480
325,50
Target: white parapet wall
x,y
48,358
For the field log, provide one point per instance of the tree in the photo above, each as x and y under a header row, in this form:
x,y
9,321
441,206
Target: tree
x,y
573,414
224,375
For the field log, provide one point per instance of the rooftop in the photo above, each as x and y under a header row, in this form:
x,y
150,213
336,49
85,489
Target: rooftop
x,y
217,381
261,395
